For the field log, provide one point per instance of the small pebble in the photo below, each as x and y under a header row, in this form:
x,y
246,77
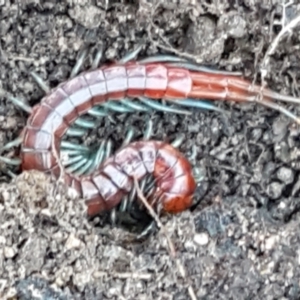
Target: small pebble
x,y
201,239
233,24
275,190
9,252
270,242
73,242
285,175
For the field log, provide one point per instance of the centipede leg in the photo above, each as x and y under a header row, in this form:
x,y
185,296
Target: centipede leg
x,y
136,106
150,229
72,153
16,142
17,102
79,63
87,124
75,132
11,161
40,82
97,59
129,106
97,112
200,104
71,146
113,105
131,55
161,107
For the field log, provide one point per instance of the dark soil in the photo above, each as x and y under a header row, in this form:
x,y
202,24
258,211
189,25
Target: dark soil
x,y
242,241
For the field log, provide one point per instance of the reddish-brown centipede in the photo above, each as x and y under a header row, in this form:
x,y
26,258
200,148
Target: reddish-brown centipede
x,y
172,80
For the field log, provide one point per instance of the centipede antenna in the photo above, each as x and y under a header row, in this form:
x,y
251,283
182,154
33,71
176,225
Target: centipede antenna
x,y
131,55
202,104
16,142
40,82
134,105
72,146
75,132
85,123
205,69
20,103
11,161
79,63
112,105
74,168
97,112
161,107
97,59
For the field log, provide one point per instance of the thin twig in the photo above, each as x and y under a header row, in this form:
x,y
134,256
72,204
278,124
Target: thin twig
x,y
172,251
124,275
57,158
271,50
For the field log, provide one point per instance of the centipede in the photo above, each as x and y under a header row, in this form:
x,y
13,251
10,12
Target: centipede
x,y
127,86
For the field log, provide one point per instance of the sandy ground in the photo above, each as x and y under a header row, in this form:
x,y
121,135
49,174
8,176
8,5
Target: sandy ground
x,y
242,241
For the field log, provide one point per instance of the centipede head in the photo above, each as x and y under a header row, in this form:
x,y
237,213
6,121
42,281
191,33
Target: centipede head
x,y
175,204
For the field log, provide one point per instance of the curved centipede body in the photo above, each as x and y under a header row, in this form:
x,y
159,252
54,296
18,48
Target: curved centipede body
x,y
166,78
58,110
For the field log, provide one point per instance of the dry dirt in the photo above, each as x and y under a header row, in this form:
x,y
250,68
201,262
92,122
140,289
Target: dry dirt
x,y
242,241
